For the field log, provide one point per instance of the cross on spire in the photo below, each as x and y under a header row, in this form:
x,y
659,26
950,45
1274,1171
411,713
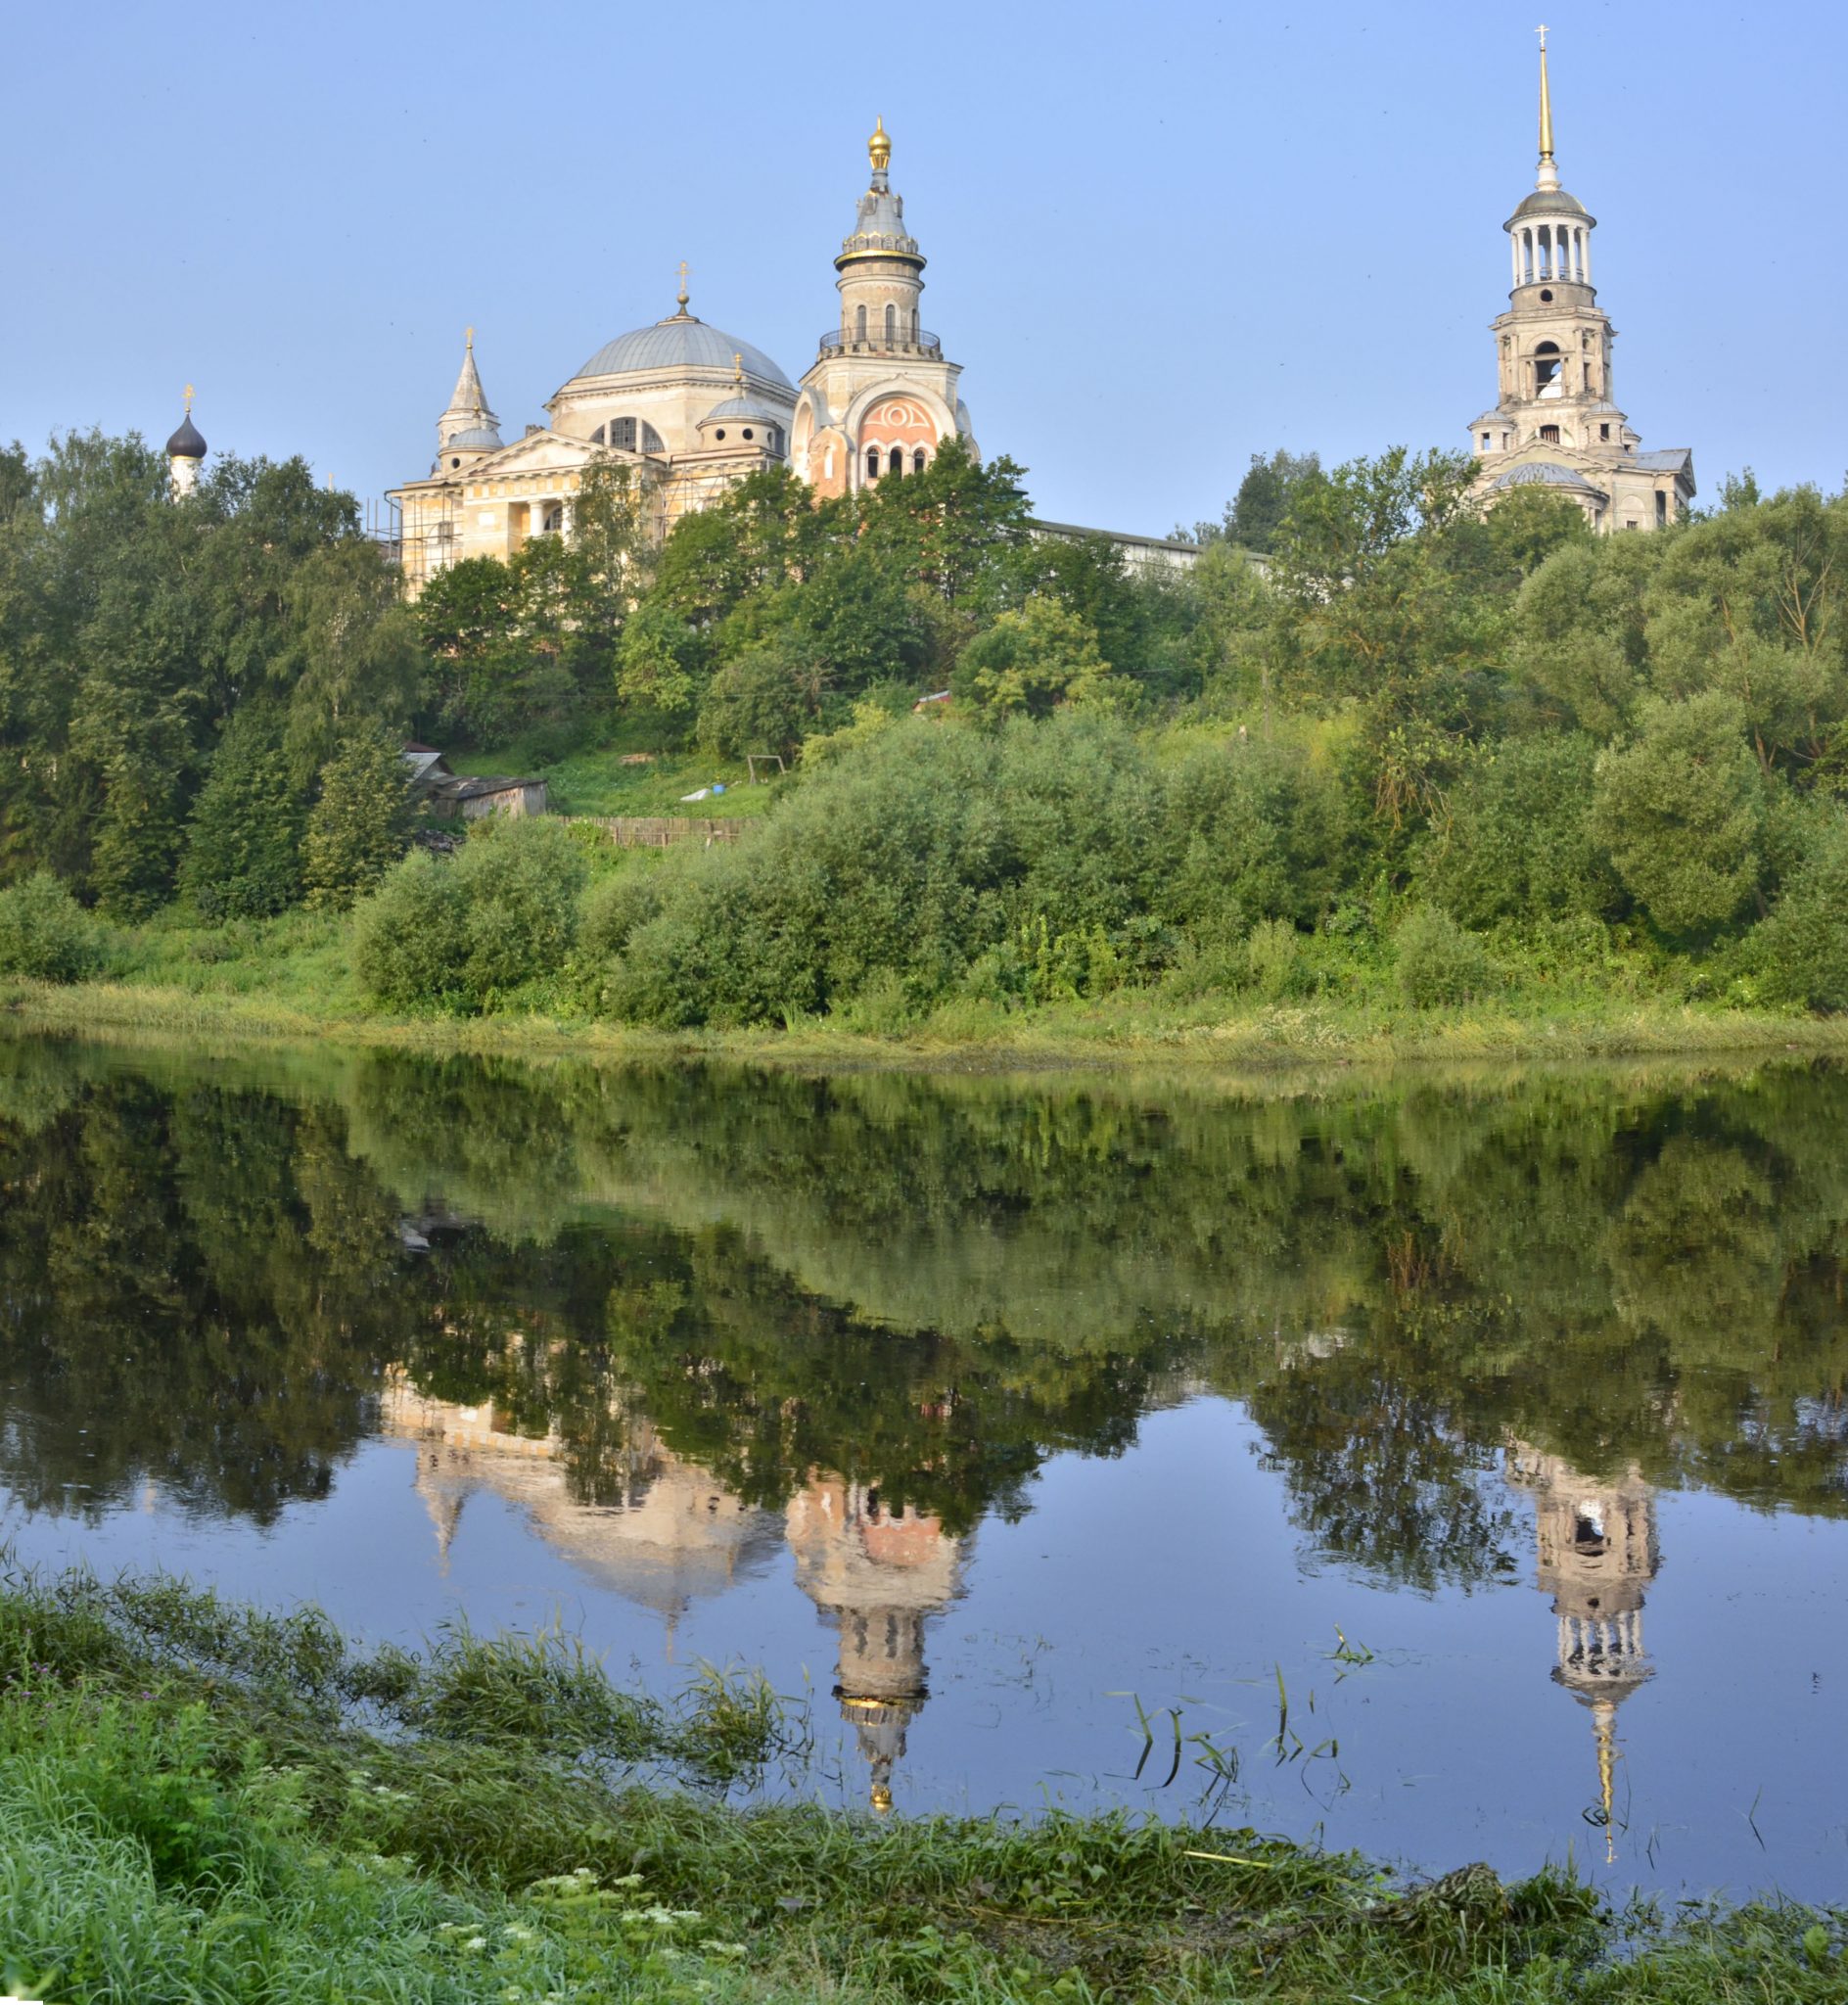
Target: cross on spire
x,y
189,400
680,297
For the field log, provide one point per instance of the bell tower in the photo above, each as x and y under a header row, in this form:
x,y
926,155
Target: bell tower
x,y
879,398
1554,423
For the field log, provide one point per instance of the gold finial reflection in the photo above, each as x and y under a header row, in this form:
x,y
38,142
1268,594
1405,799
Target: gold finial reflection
x,y
879,147
1546,99
1605,1718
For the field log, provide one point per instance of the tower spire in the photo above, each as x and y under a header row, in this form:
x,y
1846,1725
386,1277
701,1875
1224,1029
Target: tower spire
x,y
1548,176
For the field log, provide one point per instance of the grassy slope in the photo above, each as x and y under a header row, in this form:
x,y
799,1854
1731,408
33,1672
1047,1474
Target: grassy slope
x,y
596,781
193,1811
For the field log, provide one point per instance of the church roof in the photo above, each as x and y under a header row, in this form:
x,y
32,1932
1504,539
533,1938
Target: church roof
x,y
467,394
186,442
477,438
683,342
1548,473
745,406
1671,459
1550,202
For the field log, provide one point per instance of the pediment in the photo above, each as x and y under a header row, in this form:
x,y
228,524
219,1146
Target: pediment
x,y
538,452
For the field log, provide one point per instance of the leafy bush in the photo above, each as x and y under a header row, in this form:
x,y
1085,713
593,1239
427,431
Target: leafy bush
x,y
931,848
1439,963
409,937
1518,842
45,935
1680,808
461,935
1801,951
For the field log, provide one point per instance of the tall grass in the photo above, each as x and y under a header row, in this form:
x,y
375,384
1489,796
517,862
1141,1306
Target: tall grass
x,y
191,1811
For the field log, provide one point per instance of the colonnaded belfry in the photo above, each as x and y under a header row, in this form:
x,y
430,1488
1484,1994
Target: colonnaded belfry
x,y
691,409
1554,424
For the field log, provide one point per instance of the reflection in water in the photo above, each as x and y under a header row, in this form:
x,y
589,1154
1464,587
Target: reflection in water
x,y
875,1573
697,1332
672,1533
1598,1553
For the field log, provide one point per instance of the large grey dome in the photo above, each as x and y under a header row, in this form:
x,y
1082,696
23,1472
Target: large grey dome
x,y
683,343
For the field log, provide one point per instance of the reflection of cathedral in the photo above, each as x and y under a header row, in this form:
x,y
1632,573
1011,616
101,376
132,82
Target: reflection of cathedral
x,y
875,1573
674,1534
671,1536
1597,1554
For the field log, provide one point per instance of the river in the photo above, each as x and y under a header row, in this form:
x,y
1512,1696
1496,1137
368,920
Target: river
x,y
1452,1467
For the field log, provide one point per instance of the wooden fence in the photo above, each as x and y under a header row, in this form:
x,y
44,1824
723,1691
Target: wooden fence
x,y
657,831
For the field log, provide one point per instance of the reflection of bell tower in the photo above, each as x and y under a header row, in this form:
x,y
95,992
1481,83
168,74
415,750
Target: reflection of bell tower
x,y
1597,1554
875,1573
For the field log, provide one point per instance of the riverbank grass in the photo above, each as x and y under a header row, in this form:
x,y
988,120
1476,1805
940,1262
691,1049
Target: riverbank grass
x,y
203,1802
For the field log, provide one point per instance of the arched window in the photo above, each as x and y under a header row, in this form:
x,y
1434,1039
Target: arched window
x,y
859,323
898,459
622,432
651,440
1549,435
919,462
892,322
1546,365
552,519
872,462
597,437
914,327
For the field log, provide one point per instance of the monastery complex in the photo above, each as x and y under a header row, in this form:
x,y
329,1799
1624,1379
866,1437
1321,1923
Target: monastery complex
x,y
691,409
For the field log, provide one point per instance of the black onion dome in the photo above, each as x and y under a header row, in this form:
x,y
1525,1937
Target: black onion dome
x,y
186,442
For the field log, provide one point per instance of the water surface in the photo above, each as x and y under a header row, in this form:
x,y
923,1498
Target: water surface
x,y
1453,1469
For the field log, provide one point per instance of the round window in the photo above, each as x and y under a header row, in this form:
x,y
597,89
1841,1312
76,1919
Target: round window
x,y
455,462
748,433
721,432
1546,292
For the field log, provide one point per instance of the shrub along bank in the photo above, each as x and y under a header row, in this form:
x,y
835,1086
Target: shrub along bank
x,y
198,1805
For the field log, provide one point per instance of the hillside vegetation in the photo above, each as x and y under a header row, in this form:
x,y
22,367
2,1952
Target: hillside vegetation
x,y
1420,761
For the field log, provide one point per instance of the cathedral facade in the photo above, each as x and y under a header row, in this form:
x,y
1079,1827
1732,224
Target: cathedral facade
x,y
693,409
1554,424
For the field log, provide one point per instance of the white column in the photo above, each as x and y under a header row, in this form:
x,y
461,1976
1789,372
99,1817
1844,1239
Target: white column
x,y
570,511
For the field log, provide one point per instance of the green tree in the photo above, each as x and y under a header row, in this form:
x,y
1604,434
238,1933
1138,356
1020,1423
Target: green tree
x,y
1258,511
1029,662
360,821
244,841
1680,809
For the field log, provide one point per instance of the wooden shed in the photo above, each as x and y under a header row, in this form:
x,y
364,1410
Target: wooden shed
x,y
469,796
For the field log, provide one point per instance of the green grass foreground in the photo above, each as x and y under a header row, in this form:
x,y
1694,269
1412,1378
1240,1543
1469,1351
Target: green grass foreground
x,y
305,992
201,1802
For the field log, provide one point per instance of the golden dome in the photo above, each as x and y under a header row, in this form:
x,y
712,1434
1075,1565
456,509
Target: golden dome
x,y
879,147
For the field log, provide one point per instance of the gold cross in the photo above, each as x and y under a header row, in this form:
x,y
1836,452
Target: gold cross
x,y
470,332
189,400
680,296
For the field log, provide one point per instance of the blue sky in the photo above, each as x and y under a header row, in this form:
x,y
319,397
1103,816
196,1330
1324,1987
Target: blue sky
x,y
1160,239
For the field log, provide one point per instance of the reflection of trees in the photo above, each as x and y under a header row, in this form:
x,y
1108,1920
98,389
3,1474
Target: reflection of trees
x,y
925,1285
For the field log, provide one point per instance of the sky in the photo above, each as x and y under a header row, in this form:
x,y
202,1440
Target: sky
x,y
1160,239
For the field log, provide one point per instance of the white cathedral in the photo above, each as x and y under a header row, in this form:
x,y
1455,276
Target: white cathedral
x,y
693,409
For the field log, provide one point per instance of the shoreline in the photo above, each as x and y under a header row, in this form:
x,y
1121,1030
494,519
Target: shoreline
x,y
1263,1040
193,1785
